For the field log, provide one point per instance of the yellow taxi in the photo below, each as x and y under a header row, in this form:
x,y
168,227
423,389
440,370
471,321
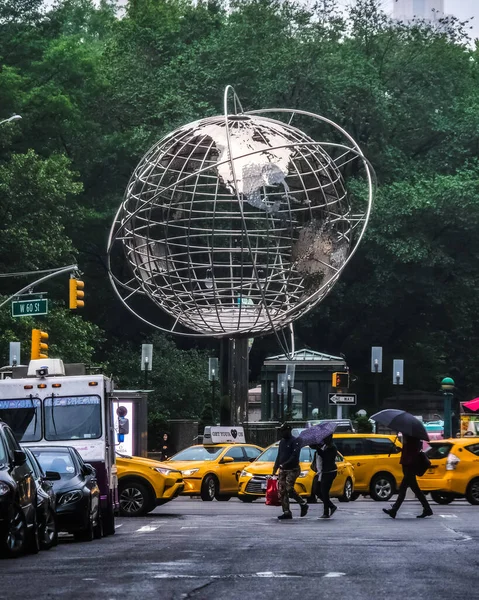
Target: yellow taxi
x,y
253,478
375,459
212,470
454,471
144,484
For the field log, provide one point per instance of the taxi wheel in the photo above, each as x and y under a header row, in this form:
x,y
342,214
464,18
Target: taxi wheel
x,y
135,499
209,488
382,487
347,492
472,493
442,497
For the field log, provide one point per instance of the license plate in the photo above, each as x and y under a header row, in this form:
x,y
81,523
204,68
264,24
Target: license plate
x,y
263,485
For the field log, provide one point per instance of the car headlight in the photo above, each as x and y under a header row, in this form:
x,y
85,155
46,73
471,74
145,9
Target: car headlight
x,y
189,472
303,473
163,470
4,488
69,497
246,474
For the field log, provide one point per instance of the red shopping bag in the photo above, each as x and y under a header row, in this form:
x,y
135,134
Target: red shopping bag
x,y
272,494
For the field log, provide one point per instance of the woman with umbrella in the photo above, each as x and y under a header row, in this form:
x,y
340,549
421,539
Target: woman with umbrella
x,y
413,432
320,438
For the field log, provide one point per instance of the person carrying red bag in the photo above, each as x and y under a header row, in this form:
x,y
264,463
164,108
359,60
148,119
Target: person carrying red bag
x,y
287,462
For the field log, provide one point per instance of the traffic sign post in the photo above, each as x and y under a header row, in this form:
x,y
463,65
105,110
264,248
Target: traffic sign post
x,y
28,308
342,399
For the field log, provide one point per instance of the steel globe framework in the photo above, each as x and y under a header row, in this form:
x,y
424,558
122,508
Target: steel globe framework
x,y
238,224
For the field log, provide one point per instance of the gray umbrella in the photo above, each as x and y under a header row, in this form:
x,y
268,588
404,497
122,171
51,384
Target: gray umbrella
x,y
400,420
317,434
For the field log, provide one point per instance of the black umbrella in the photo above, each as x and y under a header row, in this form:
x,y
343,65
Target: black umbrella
x,y
400,420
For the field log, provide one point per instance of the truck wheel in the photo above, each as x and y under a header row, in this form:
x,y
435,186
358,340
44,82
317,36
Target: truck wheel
x,y
209,488
472,494
382,487
135,499
442,497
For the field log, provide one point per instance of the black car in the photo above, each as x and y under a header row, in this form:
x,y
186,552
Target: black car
x,y
46,502
18,498
77,491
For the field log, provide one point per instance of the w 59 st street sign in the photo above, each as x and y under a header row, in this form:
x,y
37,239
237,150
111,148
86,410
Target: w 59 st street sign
x,y
337,399
28,308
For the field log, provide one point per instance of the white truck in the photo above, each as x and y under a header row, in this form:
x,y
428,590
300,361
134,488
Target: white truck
x,y
52,404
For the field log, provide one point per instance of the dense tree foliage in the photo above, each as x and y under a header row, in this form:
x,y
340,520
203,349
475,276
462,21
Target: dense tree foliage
x,y
96,84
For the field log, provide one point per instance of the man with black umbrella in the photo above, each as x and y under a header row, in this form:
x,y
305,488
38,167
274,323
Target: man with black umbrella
x,y
287,462
409,456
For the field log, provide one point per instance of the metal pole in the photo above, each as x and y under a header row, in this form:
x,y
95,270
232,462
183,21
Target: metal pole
x,y
290,399
339,411
398,379
213,397
376,384
282,403
447,415
146,372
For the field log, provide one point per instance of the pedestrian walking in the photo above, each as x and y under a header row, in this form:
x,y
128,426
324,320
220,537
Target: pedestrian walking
x,y
411,449
329,470
166,447
287,462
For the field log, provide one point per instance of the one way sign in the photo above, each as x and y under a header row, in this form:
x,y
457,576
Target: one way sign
x,y
335,399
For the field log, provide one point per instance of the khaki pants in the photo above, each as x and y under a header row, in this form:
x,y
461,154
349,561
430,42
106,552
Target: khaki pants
x,y
286,481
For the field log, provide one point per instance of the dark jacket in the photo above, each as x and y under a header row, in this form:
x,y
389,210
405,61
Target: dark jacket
x,y
410,451
328,454
288,454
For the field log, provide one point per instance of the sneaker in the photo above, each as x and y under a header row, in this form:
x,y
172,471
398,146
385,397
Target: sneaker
x,y
333,510
304,510
427,512
390,511
284,516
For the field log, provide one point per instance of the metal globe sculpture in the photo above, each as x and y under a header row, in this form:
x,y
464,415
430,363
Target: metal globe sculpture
x,y
238,224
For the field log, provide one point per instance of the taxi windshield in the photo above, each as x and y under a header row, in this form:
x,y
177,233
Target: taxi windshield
x,y
24,418
270,454
197,453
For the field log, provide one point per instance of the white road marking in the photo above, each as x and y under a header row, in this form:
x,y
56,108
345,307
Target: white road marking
x,y
118,526
89,579
448,516
334,574
464,537
189,527
147,528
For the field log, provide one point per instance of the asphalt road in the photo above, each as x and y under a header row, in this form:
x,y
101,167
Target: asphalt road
x,y
230,550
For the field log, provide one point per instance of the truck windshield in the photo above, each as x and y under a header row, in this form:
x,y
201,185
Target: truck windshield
x,y
24,417
72,418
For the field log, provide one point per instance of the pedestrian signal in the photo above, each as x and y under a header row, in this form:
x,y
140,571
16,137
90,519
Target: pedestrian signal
x,y
39,345
76,294
340,380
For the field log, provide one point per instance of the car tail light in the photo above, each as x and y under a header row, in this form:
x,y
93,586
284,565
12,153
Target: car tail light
x,y
451,462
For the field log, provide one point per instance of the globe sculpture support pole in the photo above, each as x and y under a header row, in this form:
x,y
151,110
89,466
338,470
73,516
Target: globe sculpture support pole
x,y
235,226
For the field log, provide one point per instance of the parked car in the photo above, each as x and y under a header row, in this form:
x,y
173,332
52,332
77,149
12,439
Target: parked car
x,y
18,498
253,479
144,484
46,502
77,491
212,471
454,471
375,459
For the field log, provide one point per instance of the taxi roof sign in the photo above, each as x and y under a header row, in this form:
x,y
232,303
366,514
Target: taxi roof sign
x,y
221,435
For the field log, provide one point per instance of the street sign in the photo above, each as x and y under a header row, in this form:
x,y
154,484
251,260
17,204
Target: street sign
x,y
336,399
29,308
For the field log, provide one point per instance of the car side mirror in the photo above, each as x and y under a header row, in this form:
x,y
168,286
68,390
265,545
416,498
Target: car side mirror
x,y
52,476
227,459
89,470
19,458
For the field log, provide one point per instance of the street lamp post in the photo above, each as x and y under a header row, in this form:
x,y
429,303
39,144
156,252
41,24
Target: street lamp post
x,y
447,388
289,399
376,368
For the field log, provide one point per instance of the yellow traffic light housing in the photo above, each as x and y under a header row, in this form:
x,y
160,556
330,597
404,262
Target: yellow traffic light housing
x,y
340,380
76,294
39,345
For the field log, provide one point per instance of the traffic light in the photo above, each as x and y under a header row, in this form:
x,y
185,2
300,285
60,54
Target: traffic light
x,y
340,380
39,345
76,294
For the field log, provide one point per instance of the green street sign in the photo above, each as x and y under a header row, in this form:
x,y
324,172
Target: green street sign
x,y
29,308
